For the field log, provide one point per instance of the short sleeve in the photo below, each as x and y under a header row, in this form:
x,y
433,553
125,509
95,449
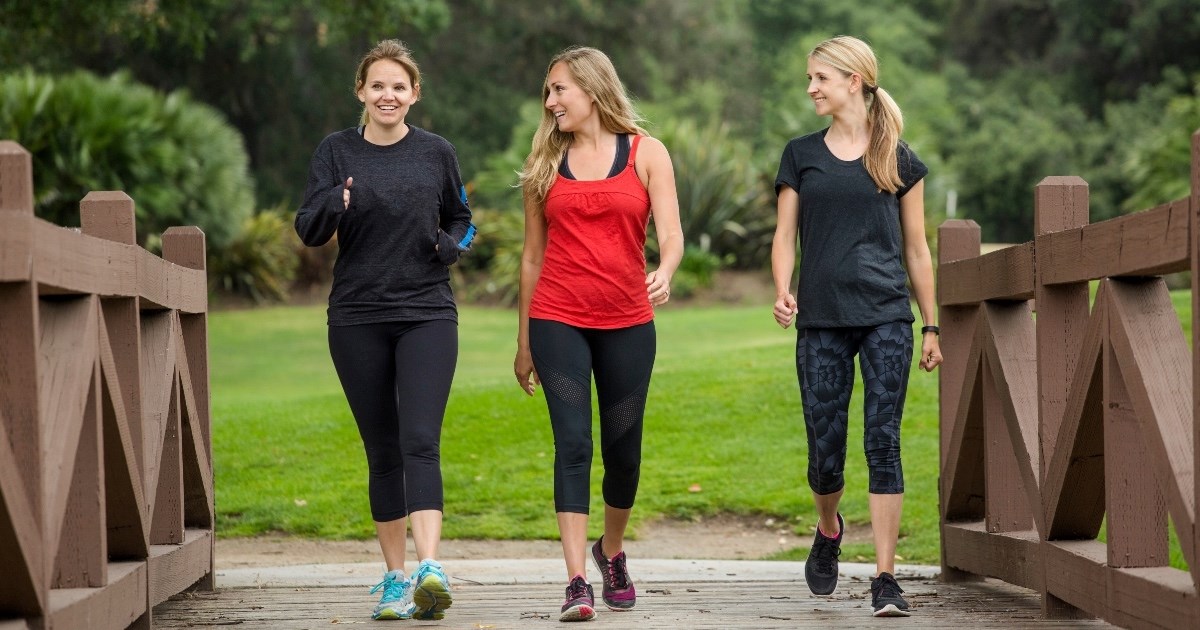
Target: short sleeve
x,y
788,174
912,169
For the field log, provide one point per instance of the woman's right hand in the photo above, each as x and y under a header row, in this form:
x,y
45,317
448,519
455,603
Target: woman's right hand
x,y
346,192
527,376
785,310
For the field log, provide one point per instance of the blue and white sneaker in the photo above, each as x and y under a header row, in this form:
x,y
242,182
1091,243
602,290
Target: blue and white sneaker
x,y
397,599
431,591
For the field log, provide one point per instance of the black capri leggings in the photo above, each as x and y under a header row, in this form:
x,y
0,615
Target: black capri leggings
x,y
622,359
825,366
397,376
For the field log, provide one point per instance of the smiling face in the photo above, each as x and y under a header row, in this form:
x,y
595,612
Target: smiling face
x,y
830,88
566,101
387,93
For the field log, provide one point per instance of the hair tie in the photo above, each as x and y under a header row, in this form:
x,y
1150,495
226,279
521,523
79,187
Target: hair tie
x,y
872,89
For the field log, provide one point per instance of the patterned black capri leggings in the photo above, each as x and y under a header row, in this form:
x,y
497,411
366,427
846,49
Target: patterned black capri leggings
x,y
825,367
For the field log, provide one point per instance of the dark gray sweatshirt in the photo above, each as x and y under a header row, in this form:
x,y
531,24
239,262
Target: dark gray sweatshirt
x,y
408,221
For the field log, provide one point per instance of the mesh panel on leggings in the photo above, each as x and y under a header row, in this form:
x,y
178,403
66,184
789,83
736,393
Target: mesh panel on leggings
x,y
565,388
621,417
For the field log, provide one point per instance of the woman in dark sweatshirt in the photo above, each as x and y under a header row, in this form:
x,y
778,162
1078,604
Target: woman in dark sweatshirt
x,y
393,195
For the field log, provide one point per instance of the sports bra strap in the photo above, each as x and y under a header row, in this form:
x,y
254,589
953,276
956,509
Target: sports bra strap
x,y
633,148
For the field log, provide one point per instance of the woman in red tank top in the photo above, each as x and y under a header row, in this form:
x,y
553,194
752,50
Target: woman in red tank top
x,y
591,183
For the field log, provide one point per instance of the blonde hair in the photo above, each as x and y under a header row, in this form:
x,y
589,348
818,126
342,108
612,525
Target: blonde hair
x,y
392,50
851,55
593,71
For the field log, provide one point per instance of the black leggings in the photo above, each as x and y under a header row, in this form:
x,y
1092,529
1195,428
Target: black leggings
x,y
566,357
825,366
396,376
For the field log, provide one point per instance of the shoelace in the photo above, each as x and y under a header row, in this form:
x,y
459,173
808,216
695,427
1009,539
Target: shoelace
x,y
617,574
392,588
825,552
888,588
577,589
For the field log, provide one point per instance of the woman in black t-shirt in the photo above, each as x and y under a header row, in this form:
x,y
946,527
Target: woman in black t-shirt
x,y
853,194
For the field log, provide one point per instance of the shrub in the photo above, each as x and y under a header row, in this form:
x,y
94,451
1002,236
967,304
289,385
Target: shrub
x,y
260,262
179,160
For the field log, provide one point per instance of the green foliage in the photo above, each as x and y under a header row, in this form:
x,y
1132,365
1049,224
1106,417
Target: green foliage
x,y
723,204
696,270
260,262
492,271
178,159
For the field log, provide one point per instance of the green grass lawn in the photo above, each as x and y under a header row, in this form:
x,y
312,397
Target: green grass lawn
x,y
723,416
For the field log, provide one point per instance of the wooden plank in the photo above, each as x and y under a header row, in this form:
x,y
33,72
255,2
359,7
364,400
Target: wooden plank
x,y
24,581
69,261
175,568
165,285
126,512
1014,557
1073,484
1011,352
1148,243
1154,597
16,246
1137,510
196,442
1076,574
166,526
1005,274
82,558
16,178
1194,231
1006,507
962,480
114,606
158,372
661,605
67,350
1059,204
1156,361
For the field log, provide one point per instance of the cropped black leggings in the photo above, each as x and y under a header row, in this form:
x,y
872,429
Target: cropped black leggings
x,y
566,358
397,376
825,366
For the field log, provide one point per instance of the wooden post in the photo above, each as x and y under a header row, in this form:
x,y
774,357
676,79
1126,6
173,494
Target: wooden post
x,y
25,579
1194,221
1060,203
110,215
957,240
186,246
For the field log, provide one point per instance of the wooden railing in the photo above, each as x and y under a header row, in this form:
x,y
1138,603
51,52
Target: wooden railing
x,y
1063,414
106,493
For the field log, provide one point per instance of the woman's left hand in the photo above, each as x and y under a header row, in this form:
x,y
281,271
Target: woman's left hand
x,y
931,352
658,287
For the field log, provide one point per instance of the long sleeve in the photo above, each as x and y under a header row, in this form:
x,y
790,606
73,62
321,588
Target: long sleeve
x,y
318,217
457,231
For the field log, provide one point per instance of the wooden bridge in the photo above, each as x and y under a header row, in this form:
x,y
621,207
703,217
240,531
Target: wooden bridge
x,y
1064,417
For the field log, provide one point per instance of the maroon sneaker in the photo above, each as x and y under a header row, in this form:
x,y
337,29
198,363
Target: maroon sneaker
x,y
618,592
580,604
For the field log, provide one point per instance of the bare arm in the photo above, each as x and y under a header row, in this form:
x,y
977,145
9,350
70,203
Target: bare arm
x,y
532,255
783,254
654,164
919,263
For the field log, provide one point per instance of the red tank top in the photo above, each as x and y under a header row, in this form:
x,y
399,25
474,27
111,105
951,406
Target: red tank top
x,y
594,268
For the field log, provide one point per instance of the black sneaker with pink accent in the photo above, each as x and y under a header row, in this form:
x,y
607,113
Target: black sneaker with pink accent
x,y
580,604
618,592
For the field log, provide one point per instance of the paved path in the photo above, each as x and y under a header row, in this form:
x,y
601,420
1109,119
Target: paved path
x,y
497,594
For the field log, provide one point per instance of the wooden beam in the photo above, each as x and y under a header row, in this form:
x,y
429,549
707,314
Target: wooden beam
x,y
1149,243
1005,274
1014,557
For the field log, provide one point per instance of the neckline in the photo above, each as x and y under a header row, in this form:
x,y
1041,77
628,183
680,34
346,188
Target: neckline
x,y
829,151
360,132
621,137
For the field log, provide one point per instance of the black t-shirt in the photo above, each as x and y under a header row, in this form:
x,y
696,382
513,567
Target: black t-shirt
x,y
850,239
408,221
